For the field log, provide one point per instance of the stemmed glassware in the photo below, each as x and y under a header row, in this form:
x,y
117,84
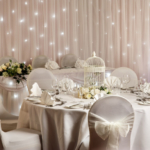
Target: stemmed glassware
x,y
126,80
142,82
55,85
116,88
67,87
79,89
74,89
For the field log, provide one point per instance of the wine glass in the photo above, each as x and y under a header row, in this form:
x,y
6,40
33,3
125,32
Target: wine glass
x,y
55,85
116,88
74,89
142,83
126,80
67,87
80,93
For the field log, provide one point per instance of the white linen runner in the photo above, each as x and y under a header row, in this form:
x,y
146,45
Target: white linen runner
x,y
111,130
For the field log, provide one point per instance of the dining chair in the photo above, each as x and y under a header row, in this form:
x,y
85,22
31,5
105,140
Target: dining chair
x,y
42,77
68,61
39,62
120,72
110,121
20,139
6,59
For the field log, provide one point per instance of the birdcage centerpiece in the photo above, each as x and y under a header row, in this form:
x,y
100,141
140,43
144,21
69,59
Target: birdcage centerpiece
x,y
94,73
94,76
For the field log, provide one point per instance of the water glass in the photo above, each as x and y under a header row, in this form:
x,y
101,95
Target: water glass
x,y
125,80
55,85
116,88
142,82
80,93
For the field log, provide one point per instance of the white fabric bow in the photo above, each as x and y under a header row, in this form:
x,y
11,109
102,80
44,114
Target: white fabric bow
x,y
111,130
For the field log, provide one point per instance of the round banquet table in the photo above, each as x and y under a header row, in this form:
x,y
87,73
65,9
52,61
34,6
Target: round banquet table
x,y
65,129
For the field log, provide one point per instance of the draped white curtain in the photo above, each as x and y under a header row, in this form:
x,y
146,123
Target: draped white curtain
x,y
118,30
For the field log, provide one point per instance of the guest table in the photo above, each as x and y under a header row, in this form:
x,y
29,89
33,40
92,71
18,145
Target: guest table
x,y
65,129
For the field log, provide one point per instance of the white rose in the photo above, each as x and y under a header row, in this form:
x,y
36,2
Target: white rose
x,y
19,70
88,96
95,91
103,92
4,67
17,64
7,64
85,90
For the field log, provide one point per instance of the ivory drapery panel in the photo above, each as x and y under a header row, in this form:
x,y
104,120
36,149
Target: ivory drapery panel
x,y
118,30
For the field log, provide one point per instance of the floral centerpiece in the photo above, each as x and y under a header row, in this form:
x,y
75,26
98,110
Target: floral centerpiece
x,y
90,92
15,70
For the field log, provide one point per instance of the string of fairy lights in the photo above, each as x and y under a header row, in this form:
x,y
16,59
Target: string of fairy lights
x,y
75,39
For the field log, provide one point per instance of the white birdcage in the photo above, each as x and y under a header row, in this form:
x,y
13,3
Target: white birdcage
x,y
94,73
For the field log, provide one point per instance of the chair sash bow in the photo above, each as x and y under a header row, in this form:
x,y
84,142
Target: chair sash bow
x,y
111,130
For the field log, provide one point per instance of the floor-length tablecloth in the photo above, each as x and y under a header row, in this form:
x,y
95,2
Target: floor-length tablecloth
x,y
65,129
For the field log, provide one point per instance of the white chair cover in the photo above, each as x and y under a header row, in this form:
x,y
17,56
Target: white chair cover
x,y
6,59
112,81
68,61
119,72
20,139
42,76
111,130
39,62
110,119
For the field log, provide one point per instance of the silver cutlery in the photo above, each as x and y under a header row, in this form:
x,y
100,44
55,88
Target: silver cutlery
x,y
62,103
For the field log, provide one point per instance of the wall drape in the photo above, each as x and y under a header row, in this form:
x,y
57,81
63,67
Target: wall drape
x,y
118,30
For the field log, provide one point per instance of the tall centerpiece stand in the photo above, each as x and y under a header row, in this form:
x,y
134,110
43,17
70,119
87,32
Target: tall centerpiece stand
x,y
94,76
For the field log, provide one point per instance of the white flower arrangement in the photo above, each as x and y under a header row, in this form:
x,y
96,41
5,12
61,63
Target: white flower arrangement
x,y
90,92
15,70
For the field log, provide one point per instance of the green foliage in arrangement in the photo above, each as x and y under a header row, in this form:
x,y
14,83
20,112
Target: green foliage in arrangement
x,y
15,70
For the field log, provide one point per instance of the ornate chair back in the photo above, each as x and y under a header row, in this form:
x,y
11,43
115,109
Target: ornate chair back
x,y
39,62
68,60
42,76
120,72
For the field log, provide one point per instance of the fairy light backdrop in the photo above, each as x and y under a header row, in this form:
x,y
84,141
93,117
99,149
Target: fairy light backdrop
x,y
118,31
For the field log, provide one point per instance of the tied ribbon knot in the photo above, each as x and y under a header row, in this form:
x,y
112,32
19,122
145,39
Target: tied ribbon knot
x,y
111,130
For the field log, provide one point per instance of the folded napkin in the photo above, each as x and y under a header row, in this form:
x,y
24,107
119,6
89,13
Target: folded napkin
x,y
51,65
145,88
47,99
112,82
81,64
36,90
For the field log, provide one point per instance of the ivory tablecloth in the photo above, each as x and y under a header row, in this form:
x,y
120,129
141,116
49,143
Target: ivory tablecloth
x,y
65,129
